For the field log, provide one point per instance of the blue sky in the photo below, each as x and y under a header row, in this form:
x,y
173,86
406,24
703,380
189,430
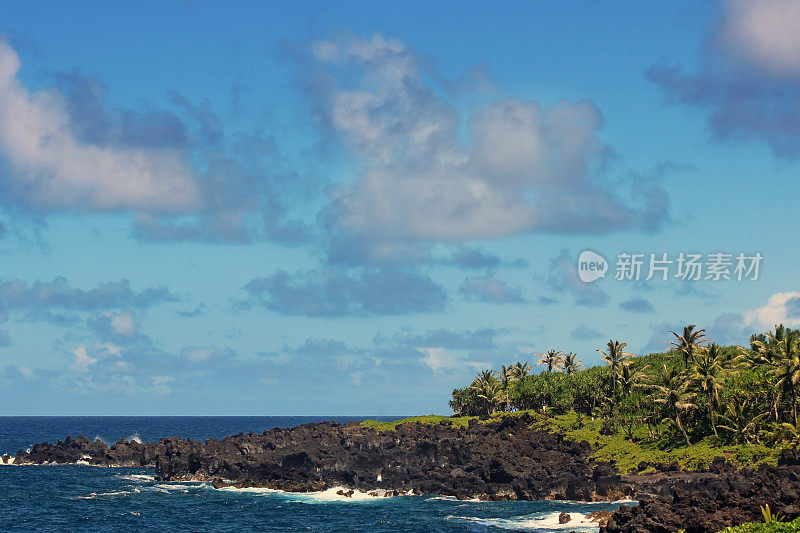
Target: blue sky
x,y
305,208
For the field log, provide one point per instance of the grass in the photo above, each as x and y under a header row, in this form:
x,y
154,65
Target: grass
x,y
771,527
628,455
457,422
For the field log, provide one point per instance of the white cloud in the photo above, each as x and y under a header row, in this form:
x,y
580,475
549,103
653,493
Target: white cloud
x,y
763,34
109,348
200,353
161,384
781,308
527,167
51,169
490,289
25,372
441,359
82,361
124,324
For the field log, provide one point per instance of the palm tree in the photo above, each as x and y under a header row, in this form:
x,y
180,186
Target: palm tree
x,y
705,378
740,421
552,359
688,343
520,370
783,354
570,365
488,389
629,379
616,357
505,382
677,402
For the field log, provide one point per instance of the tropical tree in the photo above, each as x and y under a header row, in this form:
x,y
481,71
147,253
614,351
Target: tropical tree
x,y
570,364
504,380
782,353
520,370
615,357
551,359
688,343
488,389
705,378
629,379
741,422
670,386
780,334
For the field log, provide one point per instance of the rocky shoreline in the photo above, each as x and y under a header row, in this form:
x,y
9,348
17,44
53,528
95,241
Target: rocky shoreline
x,y
506,459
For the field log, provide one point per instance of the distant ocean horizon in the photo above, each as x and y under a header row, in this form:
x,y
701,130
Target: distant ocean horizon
x,y
21,432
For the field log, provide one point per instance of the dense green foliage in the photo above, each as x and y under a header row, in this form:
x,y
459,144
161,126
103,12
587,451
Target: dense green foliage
x,y
770,527
684,405
628,454
427,419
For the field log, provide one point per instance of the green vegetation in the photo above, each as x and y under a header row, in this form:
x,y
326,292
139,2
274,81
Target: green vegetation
x,y
427,419
695,402
629,453
768,527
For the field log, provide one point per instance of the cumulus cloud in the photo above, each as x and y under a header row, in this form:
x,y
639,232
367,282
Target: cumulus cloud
x,y
585,333
489,289
82,361
479,339
51,169
204,353
476,258
19,373
63,149
637,304
466,257
736,328
748,75
781,308
40,299
336,293
438,359
563,277
528,167
121,327
762,35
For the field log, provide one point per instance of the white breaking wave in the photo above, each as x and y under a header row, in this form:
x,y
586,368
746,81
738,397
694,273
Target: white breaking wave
x,y
534,522
253,490
167,487
139,478
324,496
331,495
93,495
135,438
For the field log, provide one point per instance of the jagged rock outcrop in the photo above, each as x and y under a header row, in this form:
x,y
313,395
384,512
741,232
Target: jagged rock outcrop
x,y
124,453
501,460
496,461
710,501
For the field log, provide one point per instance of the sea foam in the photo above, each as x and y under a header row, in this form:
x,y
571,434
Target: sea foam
x,y
546,521
331,495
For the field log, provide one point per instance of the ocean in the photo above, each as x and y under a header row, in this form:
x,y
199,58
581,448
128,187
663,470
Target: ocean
x,y
85,498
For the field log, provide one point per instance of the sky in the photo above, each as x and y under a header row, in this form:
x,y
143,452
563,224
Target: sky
x,y
306,208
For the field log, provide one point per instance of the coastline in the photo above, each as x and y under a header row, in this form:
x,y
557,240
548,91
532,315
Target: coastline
x,y
510,458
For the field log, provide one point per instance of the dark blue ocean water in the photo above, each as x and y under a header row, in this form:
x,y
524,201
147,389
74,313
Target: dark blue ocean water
x,y
83,498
